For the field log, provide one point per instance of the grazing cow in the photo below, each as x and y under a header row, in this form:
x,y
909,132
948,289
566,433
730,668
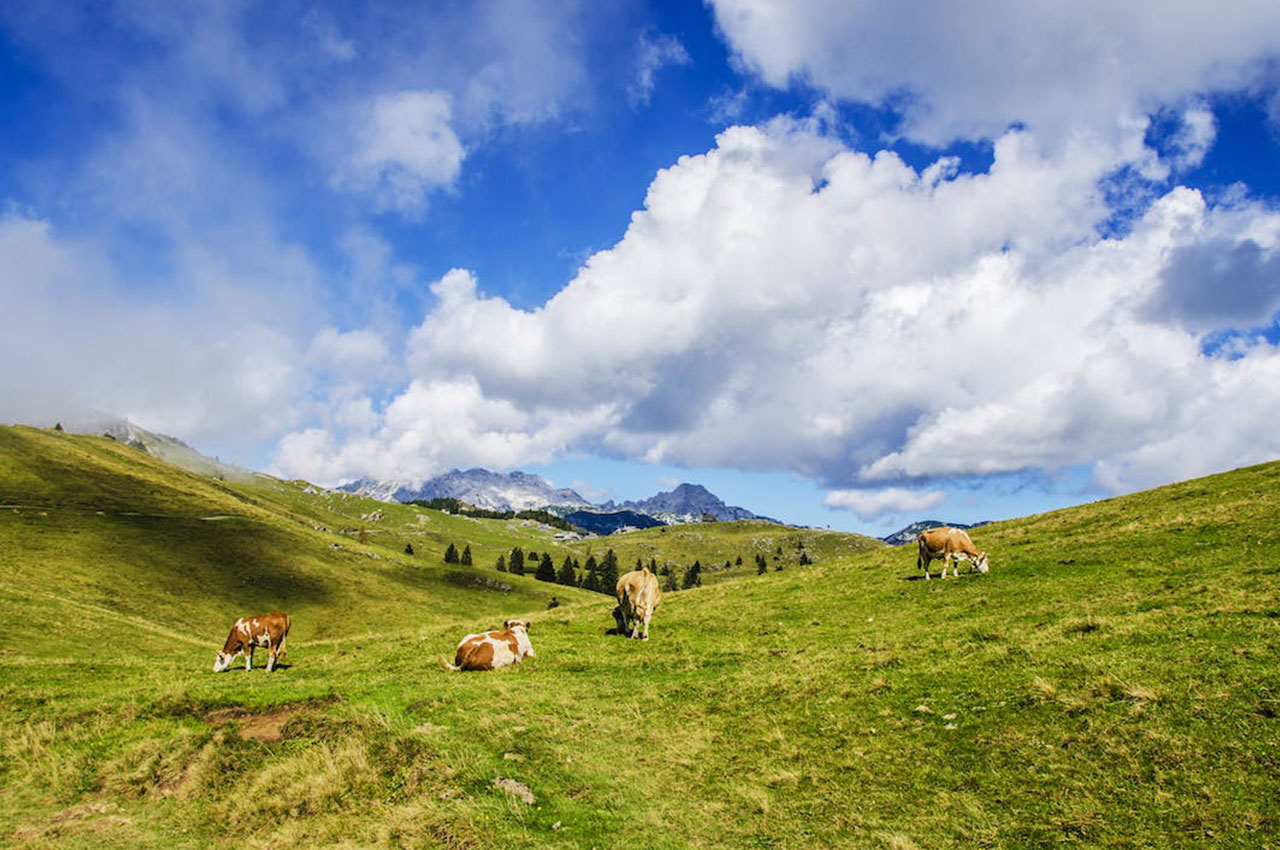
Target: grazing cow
x,y
269,630
491,650
949,545
638,595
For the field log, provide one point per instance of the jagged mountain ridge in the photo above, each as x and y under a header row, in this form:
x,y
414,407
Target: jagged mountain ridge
x,y
513,491
908,534
685,503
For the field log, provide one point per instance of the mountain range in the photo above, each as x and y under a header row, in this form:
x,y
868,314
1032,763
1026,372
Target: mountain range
x,y
516,491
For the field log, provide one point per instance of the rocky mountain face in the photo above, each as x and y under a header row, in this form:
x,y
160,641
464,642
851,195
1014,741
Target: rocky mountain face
x,y
517,491
514,491
908,534
686,503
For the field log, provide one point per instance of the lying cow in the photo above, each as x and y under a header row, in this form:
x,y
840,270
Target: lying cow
x,y
269,630
638,595
491,650
949,545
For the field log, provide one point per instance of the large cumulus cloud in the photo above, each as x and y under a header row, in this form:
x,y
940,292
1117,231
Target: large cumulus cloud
x,y
785,302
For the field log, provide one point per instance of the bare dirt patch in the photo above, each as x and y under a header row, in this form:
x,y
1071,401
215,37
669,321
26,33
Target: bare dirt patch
x,y
266,727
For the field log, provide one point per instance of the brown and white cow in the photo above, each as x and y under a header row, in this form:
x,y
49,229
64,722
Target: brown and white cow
x,y
638,595
491,650
949,545
269,630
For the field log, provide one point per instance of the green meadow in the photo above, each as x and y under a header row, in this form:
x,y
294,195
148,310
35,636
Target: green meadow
x,y
1112,682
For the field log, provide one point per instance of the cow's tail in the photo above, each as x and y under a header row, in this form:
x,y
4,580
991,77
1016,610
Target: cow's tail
x,y
920,551
284,637
445,665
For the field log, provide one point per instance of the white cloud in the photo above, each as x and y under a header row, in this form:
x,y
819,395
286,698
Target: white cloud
x,y
1194,137
653,53
358,355
869,504
198,365
404,148
783,302
958,70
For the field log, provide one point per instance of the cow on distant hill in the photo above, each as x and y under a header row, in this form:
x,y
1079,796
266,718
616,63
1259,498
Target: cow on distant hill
x,y
269,630
638,595
491,650
949,545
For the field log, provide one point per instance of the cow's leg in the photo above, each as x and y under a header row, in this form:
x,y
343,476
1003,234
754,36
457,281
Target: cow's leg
x,y
248,658
635,628
948,563
647,615
926,568
274,651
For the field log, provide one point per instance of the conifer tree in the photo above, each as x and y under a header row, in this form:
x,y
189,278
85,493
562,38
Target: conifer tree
x,y
515,564
692,576
451,554
669,583
805,559
567,575
546,569
502,564
466,556
739,561
639,565
590,582
408,548
609,572
592,566
762,566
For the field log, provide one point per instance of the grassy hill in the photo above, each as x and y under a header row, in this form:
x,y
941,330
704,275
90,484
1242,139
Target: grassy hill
x,y
1112,681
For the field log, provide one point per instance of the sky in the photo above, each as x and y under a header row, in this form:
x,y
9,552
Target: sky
x,y
845,263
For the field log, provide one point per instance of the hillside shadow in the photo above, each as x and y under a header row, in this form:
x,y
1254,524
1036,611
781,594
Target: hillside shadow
x,y
236,563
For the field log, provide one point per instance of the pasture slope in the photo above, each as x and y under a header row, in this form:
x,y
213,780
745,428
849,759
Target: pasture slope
x,y
1113,682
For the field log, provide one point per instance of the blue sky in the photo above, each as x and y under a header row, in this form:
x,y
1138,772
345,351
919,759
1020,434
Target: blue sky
x,y
841,264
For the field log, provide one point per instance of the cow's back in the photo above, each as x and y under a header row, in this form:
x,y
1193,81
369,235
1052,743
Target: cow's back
x,y
639,590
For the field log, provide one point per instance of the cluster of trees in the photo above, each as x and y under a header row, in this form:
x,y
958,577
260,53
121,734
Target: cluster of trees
x,y
461,508
451,555
601,577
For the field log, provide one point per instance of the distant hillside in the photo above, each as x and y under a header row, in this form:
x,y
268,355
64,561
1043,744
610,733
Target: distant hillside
x,y
908,534
514,491
607,522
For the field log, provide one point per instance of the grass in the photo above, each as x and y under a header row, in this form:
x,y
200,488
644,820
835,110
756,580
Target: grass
x,y
1126,699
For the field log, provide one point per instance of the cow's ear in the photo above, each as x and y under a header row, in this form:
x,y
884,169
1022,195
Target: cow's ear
x,y
506,624
528,625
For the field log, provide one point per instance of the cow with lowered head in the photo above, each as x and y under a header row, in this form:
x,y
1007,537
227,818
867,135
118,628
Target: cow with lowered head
x,y
638,595
269,630
949,545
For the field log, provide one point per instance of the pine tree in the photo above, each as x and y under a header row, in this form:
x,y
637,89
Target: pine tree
x,y
567,575
805,559
762,566
451,554
692,576
669,584
516,562
609,572
466,556
592,566
739,561
639,565
408,548
502,564
546,569
590,582
727,565
653,565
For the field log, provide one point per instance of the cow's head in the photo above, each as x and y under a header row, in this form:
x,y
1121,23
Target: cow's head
x,y
515,624
981,563
222,661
